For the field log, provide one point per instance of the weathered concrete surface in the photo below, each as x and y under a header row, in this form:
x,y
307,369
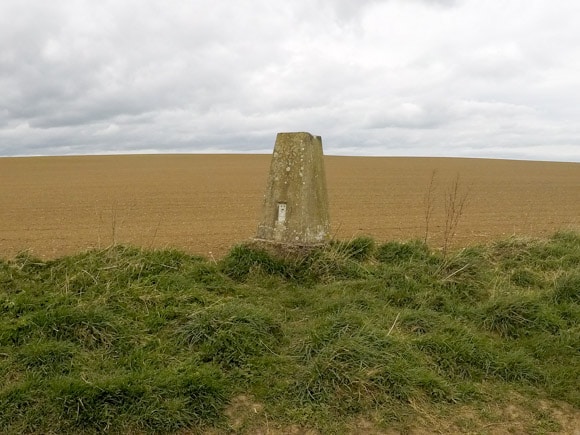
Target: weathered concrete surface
x,y
296,201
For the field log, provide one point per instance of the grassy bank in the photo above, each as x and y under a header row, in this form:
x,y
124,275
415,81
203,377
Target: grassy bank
x,y
357,336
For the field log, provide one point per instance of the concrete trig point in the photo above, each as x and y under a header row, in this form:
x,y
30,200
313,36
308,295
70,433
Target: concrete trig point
x,y
296,202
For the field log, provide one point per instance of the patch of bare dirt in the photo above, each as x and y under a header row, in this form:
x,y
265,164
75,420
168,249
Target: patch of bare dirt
x,y
520,416
245,415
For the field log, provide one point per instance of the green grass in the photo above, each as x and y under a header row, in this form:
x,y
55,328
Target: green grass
x,y
129,340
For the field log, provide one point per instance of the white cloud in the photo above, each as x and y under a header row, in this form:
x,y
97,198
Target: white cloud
x,y
422,77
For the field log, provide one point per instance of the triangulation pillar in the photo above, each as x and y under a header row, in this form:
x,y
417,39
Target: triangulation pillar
x,y
296,202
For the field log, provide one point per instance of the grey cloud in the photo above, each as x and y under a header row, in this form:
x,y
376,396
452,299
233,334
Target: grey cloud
x,y
351,9
409,115
441,2
497,62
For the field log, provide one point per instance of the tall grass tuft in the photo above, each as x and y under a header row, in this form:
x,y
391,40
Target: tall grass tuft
x,y
516,316
567,288
231,333
403,252
244,259
358,248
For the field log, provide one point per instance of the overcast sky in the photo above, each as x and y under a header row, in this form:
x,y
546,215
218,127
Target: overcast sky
x,y
473,78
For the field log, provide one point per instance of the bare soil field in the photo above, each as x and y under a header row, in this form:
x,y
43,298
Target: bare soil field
x,y
205,204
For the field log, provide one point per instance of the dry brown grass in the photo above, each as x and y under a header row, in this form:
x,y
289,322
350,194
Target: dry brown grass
x,y
206,203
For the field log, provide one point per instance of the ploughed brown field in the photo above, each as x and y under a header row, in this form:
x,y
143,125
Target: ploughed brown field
x,y
205,204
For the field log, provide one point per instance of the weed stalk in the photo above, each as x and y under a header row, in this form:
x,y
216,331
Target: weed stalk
x,y
455,202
